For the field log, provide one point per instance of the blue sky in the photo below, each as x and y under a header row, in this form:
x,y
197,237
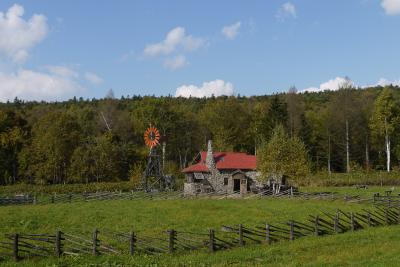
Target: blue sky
x,y
54,50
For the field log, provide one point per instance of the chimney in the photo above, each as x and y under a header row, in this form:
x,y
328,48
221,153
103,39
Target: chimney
x,y
210,158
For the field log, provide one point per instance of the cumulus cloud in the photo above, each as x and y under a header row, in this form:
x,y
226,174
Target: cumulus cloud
x,y
175,62
332,85
175,39
18,36
93,78
230,32
391,7
50,83
287,10
32,85
207,89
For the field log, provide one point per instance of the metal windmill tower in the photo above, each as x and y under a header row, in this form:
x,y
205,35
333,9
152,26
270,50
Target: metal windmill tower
x,y
153,177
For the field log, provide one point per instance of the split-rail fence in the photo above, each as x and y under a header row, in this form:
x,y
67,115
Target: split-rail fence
x,y
19,246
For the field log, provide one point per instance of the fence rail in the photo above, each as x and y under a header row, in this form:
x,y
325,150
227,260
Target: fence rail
x,y
387,200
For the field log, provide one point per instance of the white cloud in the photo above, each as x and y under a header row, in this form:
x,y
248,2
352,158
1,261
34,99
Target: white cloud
x,y
331,85
383,82
62,71
125,57
230,32
49,83
32,85
93,78
391,7
18,36
175,62
216,88
287,10
338,82
174,40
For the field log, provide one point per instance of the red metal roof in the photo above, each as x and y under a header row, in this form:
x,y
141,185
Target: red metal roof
x,y
225,161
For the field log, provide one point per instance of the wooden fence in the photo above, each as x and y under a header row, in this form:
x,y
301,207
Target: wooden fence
x,y
387,199
20,246
88,197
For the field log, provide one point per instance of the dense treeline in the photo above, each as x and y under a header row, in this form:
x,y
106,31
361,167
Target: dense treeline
x,y
102,140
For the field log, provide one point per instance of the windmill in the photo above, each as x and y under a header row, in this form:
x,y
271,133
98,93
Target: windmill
x,y
153,177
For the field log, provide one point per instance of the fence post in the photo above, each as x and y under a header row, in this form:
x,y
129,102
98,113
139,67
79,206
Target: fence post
x,y
34,199
241,242
95,242
15,247
171,241
398,214
317,225
352,221
52,198
386,216
336,223
211,244
132,243
58,244
267,234
369,219
291,237
70,198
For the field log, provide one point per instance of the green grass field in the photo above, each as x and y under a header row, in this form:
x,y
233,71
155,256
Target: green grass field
x,y
374,247
156,216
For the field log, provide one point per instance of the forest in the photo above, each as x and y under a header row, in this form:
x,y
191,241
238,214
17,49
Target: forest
x,y
101,140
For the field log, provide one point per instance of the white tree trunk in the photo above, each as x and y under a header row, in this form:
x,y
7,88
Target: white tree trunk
x,y
387,141
388,153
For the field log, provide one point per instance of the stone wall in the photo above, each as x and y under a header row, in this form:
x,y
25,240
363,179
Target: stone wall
x,y
215,179
215,182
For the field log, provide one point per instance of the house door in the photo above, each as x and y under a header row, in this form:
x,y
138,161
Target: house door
x,y
236,185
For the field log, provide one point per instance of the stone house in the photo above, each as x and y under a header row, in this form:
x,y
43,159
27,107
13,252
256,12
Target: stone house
x,y
221,172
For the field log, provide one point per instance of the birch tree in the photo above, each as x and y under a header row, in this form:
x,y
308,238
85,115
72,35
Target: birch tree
x,y
384,122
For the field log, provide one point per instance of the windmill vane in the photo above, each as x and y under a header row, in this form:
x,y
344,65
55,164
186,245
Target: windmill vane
x,y
152,137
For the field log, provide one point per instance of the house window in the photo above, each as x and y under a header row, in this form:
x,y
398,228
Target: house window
x,y
225,181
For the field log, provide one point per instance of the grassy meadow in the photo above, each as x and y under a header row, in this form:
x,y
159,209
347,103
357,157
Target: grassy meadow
x,y
376,247
154,217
